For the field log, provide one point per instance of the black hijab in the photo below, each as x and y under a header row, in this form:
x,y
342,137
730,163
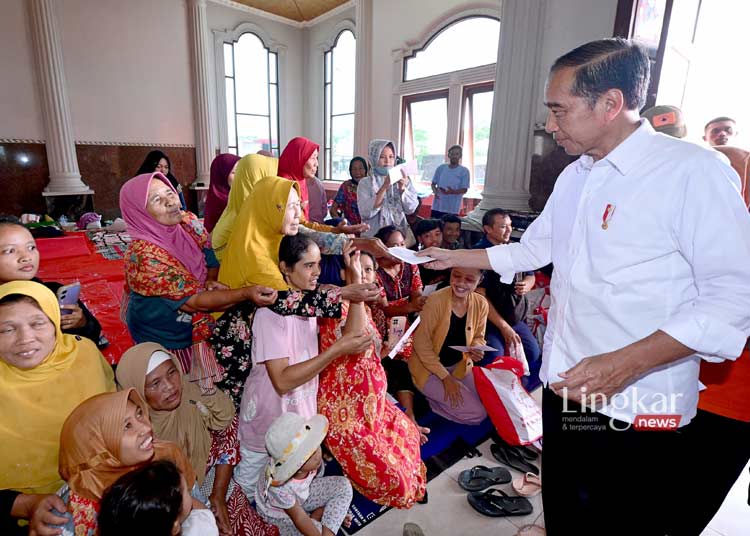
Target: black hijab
x,y
149,166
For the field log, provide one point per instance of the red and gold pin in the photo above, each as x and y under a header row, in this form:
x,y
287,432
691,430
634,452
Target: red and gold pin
x,y
607,216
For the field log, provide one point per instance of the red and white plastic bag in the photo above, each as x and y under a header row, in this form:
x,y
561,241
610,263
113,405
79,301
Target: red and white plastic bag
x,y
516,416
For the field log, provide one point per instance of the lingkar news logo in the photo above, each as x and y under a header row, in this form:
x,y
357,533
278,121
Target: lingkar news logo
x,y
656,411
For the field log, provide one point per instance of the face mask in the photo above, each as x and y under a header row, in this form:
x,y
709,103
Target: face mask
x,y
381,170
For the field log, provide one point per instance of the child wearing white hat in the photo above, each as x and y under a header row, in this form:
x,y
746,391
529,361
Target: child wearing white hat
x,y
292,494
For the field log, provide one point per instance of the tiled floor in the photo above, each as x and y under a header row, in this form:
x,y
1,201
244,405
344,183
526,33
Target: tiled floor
x,y
448,512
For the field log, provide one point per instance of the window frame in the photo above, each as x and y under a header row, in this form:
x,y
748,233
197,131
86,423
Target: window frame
x,y
434,35
406,103
453,82
220,99
467,102
328,115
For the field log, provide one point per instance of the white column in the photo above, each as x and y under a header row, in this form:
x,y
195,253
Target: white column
x,y
64,177
362,104
202,95
516,84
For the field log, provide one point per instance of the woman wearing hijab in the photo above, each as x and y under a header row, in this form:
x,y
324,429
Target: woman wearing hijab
x,y
44,375
251,169
204,426
222,175
170,277
380,202
104,438
345,201
299,162
376,444
158,161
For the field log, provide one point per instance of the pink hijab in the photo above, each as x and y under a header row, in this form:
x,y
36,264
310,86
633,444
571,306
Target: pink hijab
x,y
142,226
218,192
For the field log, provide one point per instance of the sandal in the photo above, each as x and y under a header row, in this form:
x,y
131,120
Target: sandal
x,y
529,485
527,452
480,477
513,459
496,503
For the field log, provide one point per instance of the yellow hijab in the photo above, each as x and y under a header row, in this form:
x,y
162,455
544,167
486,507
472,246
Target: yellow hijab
x,y
36,402
251,169
190,423
252,255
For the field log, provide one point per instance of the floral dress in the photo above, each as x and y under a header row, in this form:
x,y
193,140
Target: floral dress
x,y
232,337
225,450
376,444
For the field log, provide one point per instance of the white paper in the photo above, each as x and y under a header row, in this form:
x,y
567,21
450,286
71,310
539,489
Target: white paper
x,y
480,347
410,169
402,341
408,255
429,289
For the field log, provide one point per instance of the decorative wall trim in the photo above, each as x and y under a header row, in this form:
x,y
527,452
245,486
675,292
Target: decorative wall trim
x,y
110,143
345,24
21,140
283,20
134,144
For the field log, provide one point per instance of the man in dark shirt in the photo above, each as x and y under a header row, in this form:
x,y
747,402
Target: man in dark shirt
x,y
506,318
429,233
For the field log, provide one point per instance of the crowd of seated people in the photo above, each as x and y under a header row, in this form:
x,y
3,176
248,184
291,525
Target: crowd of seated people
x,y
236,338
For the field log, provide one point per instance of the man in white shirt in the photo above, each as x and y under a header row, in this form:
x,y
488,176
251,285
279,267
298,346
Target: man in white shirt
x,y
650,242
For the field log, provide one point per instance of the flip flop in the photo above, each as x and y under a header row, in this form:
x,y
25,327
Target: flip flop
x,y
412,529
513,459
527,452
528,485
480,477
495,502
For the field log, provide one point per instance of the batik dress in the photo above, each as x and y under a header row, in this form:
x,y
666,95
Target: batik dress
x,y
376,444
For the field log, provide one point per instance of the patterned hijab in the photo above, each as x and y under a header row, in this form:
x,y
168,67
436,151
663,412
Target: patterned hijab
x,y
218,191
90,445
252,256
250,170
187,425
36,401
292,164
142,226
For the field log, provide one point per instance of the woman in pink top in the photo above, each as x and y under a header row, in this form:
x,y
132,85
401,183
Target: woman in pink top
x,y
286,362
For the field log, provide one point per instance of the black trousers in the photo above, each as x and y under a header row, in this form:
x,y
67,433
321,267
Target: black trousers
x,y
600,478
722,450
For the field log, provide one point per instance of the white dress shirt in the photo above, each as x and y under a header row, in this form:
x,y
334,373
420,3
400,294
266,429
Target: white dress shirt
x,y
675,256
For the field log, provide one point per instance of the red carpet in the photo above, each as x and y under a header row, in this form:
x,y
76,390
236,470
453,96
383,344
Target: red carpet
x,y
101,280
71,245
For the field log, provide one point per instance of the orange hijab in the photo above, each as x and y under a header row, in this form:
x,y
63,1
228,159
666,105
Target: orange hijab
x,y
90,445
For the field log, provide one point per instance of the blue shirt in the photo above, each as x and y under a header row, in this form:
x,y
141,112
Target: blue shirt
x,y
456,178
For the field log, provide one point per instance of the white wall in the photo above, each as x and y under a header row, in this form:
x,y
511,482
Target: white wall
x,y
569,23
291,63
128,70
20,116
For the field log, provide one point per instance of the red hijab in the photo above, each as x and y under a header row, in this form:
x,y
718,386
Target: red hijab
x,y
218,191
292,164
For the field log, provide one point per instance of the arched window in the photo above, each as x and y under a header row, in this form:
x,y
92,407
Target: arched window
x,y
252,96
447,94
464,44
338,90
